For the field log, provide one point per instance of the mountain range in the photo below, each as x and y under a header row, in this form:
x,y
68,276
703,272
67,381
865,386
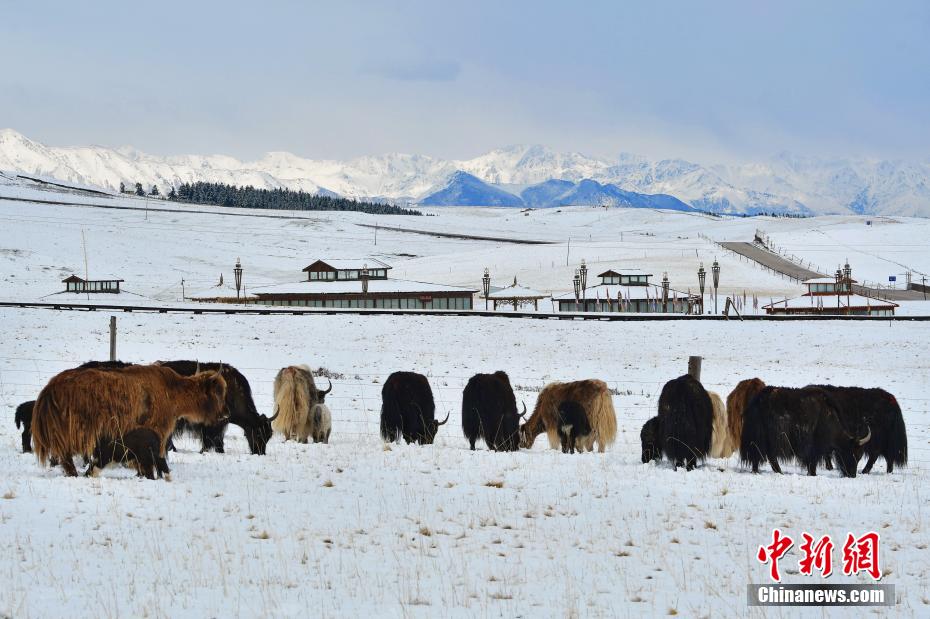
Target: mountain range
x,y
515,176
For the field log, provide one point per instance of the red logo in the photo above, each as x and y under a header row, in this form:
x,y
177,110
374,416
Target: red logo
x,y
819,556
775,551
861,555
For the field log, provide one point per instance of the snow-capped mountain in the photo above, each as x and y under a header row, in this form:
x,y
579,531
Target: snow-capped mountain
x,y
516,175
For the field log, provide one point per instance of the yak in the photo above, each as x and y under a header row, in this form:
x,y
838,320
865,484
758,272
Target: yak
x,y
721,445
77,408
239,403
592,394
295,396
489,410
737,402
408,409
650,437
139,447
573,425
879,411
23,419
783,424
686,416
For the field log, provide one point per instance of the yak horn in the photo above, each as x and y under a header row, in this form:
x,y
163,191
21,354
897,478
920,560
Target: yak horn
x,y
197,369
330,386
444,420
868,435
523,414
274,417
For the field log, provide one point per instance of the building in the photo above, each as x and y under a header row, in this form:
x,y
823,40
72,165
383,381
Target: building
x,y
832,296
358,284
516,295
628,290
94,286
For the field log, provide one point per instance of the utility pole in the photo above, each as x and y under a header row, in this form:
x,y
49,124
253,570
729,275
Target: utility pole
x,y
568,251
112,338
694,367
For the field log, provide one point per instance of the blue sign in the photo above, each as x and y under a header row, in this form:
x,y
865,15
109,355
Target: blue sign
x,y
892,278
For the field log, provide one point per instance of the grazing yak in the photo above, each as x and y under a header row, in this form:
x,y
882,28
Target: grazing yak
x,y
573,425
878,410
139,447
408,409
721,444
295,397
24,418
685,423
651,438
240,406
77,408
737,402
783,424
489,410
592,395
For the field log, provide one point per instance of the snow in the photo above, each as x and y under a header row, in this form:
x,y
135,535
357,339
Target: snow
x,y
355,528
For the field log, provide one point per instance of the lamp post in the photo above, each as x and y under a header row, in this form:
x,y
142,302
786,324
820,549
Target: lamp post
x,y
665,292
839,282
486,282
847,274
715,269
702,276
584,276
364,275
577,283
238,273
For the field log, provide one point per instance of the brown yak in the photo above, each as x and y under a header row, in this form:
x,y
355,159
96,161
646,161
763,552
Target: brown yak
x,y
737,402
78,408
594,398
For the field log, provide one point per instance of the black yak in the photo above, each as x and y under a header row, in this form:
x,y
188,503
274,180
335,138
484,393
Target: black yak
x,y
240,405
784,424
573,424
489,410
23,418
877,410
408,409
139,446
651,438
686,422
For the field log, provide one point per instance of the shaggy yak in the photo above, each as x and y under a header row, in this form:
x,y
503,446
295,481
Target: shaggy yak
x,y
408,410
139,447
737,402
239,403
878,410
685,422
592,395
489,410
24,418
651,438
721,445
295,396
784,424
80,407
573,425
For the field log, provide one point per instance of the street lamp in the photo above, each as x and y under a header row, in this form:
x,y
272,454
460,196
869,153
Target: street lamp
x,y
702,276
238,273
364,275
584,276
839,282
577,282
486,282
665,291
847,273
715,269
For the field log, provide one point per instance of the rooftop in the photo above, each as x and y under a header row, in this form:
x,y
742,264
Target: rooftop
x,y
349,264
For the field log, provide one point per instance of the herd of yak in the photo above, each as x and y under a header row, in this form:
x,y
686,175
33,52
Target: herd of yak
x,y
128,413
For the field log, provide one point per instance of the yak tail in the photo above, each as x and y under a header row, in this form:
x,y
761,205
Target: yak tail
x,y
41,439
603,418
897,436
721,445
754,447
391,418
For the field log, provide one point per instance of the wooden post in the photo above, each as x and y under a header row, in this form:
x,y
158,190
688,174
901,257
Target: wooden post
x,y
112,338
694,367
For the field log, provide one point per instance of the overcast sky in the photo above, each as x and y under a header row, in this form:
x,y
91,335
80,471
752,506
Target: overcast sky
x,y
712,81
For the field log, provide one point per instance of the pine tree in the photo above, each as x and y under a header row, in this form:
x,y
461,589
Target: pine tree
x,y
154,191
139,190
172,195
122,187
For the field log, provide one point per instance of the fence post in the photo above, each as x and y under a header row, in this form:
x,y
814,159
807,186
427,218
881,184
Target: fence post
x,y
694,367
112,338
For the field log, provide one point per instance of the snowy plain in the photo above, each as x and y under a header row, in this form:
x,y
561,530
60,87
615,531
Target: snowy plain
x,y
358,528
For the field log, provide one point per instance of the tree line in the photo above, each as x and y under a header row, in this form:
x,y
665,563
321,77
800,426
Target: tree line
x,y
219,194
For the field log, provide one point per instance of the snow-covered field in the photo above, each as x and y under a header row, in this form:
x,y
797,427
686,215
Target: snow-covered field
x,y
358,529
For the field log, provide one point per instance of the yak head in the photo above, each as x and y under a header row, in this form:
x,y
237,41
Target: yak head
x,y
212,388
650,436
430,426
321,395
850,450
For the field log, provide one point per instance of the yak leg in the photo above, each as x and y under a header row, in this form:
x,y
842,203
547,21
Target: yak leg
x,y
828,462
774,462
472,441
755,467
67,463
27,440
871,462
812,468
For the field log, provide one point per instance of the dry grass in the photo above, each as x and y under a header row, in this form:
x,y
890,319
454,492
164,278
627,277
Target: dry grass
x,y
495,484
